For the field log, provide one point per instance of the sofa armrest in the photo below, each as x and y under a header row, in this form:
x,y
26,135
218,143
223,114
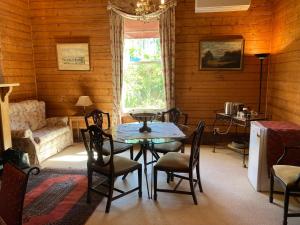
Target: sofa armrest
x,y
27,144
57,121
22,133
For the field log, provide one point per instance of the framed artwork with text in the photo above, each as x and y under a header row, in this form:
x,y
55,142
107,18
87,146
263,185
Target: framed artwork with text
x,y
73,56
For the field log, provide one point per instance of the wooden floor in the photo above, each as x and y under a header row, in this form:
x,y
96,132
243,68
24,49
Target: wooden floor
x,y
228,197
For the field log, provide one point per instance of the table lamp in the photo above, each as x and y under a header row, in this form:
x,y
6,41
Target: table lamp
x,y
84,101
261,57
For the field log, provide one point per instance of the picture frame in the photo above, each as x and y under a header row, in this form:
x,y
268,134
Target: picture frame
x,y
221,54
73,56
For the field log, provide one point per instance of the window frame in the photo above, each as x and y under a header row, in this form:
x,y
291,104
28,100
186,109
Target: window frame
x,y
125,111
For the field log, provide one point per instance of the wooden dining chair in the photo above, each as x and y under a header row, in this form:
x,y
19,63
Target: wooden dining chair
x,y
97,117
175,162
172,115
12,193
109,166
289,178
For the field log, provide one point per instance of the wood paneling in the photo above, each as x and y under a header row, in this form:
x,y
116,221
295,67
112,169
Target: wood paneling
x,y
68,19
284,94
17,62
199,93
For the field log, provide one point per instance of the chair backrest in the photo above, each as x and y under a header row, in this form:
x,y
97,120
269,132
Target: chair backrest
x,y
94,147
12,194
290,143
97,117
195,148
174,115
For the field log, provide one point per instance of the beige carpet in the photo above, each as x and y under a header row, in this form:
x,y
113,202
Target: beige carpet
x,y
228,197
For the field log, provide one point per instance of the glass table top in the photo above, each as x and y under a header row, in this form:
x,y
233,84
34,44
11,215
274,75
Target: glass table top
x,y
162,132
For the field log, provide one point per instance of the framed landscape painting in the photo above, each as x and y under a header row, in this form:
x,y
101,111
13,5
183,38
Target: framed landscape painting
x,y
221,54
73,56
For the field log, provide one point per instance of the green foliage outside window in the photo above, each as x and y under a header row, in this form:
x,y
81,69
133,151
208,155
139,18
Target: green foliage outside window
x,y
143,84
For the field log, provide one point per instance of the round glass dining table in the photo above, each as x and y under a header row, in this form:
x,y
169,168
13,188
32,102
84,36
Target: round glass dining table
x,y
161,133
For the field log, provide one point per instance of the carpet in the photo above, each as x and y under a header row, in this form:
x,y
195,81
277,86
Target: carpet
x,y
58,197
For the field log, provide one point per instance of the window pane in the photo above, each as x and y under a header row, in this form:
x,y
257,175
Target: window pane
x,y
143,85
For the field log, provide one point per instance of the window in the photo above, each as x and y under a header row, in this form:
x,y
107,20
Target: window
x,y
143,83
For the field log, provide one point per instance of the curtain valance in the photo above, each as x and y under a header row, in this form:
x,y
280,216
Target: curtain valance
x,y
126,9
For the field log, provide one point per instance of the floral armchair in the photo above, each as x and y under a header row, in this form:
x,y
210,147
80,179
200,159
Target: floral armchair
x,y
36,135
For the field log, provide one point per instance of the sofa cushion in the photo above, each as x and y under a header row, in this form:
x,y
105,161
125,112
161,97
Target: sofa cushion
x,y
57,121
27,114
49,133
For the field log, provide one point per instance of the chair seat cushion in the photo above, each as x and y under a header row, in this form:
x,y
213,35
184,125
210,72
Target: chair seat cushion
x,y
168,147
288,174
118,147
173,161
121,165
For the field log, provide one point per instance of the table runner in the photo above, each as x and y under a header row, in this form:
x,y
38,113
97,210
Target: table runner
x,y
159,130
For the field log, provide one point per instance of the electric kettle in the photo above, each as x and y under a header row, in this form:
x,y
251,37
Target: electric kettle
x,y
228,108
231,108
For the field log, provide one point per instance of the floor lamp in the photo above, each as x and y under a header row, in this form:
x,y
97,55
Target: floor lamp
x,y
261,57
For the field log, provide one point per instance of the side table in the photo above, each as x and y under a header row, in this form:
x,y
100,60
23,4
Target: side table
x,y
76,123
233,120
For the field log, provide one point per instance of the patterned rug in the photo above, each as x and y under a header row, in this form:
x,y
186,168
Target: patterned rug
x,y
58,197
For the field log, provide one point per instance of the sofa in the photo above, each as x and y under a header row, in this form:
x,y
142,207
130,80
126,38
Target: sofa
x,y
35,134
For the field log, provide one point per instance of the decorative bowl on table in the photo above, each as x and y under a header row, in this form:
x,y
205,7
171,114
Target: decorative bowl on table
x,y
144,117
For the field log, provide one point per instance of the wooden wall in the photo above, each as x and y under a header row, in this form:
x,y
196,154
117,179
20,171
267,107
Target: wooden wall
x,y
284,95
17,64
199,93
54,20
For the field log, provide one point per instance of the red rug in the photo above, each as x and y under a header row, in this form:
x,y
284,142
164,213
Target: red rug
x,y
58,197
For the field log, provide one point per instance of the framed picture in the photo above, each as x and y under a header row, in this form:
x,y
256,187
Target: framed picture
x,y
221,54
73,56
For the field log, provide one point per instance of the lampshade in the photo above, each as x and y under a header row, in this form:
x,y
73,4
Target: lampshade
x,y
262,55
84,101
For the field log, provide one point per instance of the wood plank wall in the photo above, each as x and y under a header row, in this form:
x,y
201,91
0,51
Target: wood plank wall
x,y
199,93
17,64
284,94
69,19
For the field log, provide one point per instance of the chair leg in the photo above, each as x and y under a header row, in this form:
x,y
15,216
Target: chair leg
x,y
110,194
198,178
192,188
286,206
172,176
140,181
182,148
271,187
131,153
155,184
90,181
